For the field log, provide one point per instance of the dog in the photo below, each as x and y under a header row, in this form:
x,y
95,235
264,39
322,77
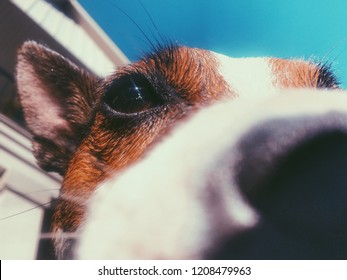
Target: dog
x,y
190,154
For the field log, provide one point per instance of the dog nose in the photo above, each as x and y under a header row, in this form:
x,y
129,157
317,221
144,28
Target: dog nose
x,y
293,173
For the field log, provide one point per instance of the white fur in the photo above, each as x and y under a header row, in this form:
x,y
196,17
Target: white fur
x,y
248,77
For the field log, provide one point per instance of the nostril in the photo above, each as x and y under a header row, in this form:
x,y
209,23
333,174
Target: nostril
x,y
301,202
294,173
307,190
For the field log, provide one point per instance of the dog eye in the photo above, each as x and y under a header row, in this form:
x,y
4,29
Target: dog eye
x,y
131,94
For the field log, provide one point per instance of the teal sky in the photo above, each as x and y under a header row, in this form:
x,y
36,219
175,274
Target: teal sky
x,y
295,28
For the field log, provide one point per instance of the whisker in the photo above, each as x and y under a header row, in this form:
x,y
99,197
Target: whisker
x,y
153,23
136,24
50,235
32,192
25,211
72,198
326,58
41,191
75,199
339,54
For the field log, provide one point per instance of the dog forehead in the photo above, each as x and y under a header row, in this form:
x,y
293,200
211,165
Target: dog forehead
x,y
248,77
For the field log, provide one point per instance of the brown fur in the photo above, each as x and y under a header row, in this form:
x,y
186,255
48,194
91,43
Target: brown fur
x,y
298,74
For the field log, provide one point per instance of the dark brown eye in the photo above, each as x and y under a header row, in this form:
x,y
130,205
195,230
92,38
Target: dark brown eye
x,y
131,94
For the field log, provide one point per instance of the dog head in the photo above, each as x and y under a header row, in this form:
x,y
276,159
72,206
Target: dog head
x,y
103,133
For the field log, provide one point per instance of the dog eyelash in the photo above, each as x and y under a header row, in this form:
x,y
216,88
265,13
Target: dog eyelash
x,y
326,78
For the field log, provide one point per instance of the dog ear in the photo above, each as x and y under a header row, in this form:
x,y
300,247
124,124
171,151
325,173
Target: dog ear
x,y
57,99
